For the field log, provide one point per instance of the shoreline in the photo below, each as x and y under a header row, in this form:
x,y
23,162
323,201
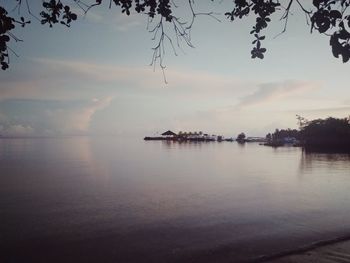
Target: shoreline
x,y
302,254
109,249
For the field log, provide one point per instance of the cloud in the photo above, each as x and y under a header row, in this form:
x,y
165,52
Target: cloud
x,y
141,77
16,130
274,91
77,120
63,93
125,23
327,110
338,112
116,20
72,80
43,118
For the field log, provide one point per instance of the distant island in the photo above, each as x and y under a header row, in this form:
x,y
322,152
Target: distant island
x,y
319,134
188,136
202,137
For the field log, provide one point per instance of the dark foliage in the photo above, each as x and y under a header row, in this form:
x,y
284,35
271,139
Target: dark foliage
x,y
7,24
279,135
324,134
56,12
241,137
262,10
328,17
330,132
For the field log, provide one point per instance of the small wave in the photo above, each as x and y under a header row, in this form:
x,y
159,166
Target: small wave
x,y
302,249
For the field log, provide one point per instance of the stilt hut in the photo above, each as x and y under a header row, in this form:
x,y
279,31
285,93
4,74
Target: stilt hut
x,y
169,135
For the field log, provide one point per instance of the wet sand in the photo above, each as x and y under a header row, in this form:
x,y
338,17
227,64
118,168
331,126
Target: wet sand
x,y
338,252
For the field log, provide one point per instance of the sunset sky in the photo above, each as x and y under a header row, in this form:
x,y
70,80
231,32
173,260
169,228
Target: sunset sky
x,y
94,78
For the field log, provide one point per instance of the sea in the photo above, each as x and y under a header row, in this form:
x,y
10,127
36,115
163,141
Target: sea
x,y
113,199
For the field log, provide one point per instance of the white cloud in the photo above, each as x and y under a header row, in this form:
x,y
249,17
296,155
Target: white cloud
x,y
69,80
125,23
41,118
276,91
115,20
16,130
76,121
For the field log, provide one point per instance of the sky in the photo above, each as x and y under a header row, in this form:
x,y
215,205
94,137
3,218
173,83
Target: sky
x,y
94,78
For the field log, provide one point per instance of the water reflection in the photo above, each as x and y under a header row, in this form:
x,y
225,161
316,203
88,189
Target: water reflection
x,y
326,162
183,144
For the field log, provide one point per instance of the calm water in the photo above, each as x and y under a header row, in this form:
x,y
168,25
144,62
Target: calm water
x,y
112,200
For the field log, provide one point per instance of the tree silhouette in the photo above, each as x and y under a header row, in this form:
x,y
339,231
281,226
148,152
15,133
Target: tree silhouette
x,y
280,135
328,17
330,133
319,134
241,137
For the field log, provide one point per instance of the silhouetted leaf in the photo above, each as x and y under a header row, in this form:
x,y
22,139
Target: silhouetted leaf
x,y
335,14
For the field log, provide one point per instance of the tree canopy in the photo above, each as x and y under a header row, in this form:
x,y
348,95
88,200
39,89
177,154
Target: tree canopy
x,y
330,132
324,134
328,17
241,137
